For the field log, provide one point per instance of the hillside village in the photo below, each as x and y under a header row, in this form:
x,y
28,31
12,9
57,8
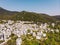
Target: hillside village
x,y
24,28
29,22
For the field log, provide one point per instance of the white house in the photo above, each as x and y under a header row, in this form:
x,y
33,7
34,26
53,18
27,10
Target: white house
x,y
18,41
1,36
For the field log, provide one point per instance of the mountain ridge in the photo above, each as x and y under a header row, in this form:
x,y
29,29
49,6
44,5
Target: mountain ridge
x,y
25,16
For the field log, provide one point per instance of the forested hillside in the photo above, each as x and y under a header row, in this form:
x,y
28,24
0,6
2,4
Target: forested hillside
x,y
25,16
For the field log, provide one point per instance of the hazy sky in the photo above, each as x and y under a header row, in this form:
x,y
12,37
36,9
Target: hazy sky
x,y
51,7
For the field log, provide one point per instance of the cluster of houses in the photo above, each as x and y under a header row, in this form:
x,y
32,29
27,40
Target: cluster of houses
x,y
23,28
